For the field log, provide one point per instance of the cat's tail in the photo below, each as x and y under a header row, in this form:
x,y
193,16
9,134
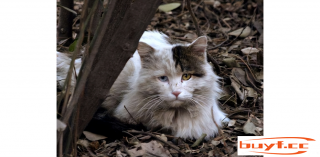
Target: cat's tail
x,y
63,64
105,124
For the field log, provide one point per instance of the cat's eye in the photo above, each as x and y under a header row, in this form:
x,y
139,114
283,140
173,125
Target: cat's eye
x,y
163,78
186,76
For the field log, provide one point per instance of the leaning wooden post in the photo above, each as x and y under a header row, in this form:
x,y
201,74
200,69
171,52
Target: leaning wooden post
x,y
117,39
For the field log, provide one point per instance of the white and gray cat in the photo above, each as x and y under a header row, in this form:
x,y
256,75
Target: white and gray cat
x,y
167,85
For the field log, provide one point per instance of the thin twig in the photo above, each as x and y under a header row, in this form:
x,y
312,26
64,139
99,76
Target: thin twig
x,y
211,59
226,23
168,20
193,17
129,134
199,140
228,99
125,149
86,53
131,115
251,83
68,9
244,63
219,23
245,98
78,46
221,42
61,146
220,132
236,37
196,7
214,62
165,135
252,65
183,5
157,138
75,73
254,13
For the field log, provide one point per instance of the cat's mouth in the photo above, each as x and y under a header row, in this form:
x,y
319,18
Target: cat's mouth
x,y
176,103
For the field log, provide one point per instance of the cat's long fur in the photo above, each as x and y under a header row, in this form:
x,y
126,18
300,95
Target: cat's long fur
x,y
152,102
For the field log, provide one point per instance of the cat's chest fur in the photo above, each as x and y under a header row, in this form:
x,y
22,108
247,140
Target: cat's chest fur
x,y
170,86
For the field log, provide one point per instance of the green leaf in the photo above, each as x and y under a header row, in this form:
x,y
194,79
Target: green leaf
x,y
168,7
73,46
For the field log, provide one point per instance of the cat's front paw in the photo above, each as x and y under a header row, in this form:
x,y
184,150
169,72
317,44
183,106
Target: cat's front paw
x,y
225,120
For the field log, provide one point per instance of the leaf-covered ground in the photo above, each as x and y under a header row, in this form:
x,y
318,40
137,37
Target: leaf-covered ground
x,y
235,33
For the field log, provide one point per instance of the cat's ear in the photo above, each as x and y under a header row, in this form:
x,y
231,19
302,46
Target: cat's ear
x,y
144,50
199,45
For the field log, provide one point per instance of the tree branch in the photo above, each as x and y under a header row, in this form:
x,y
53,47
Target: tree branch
x,y
194,19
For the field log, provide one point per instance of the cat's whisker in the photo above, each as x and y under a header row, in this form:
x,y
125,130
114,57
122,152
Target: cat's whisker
x,y
146,98
154,102
188,109
203,103
204,97
198,103
152,113
193,103
158,108
149,102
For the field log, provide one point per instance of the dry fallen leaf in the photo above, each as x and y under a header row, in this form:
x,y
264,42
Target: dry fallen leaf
x,y
145,137
259,129
92,136
245,32
60,125
168,7
210,153
152,148
84,143
230,62
232,47
215,143
232,122
249,127
240,75
251,92
94,145
249,50
259,75
216,4
164,137
237,88
191,36
209,2
119,154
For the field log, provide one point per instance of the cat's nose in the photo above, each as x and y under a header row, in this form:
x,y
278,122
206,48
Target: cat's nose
x,y
176,93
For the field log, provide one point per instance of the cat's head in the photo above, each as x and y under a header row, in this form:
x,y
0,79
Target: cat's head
x,y
176,75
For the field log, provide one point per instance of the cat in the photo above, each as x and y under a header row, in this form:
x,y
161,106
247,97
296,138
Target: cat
x,y
63,64
169,85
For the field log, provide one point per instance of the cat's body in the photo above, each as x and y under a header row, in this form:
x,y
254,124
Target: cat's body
x,y
171,86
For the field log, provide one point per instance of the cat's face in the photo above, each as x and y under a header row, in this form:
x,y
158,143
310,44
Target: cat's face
x,y
175,76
